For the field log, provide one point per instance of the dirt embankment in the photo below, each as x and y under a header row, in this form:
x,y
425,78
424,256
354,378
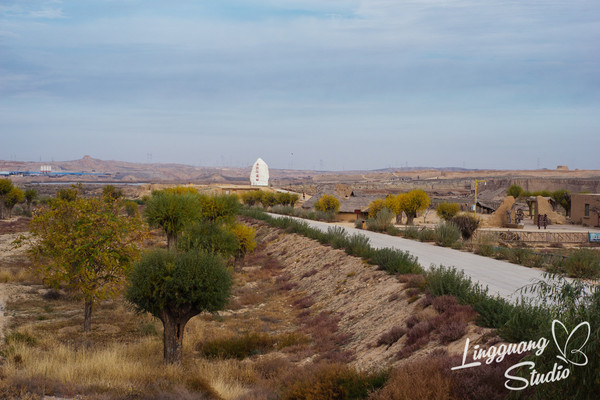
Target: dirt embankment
x,y
368,302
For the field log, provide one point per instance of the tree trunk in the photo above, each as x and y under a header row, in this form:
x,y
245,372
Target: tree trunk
x,y
173,337
409,219
87,316
399,218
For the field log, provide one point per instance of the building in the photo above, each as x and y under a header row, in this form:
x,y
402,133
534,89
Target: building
x,y
259,175
585,209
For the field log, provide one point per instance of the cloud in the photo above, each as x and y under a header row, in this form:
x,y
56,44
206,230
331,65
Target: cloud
x,y
311,68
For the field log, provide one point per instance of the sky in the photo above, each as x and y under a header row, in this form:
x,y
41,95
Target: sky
x,y
314,84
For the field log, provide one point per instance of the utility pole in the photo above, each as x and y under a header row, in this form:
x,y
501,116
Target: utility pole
x,y
475,205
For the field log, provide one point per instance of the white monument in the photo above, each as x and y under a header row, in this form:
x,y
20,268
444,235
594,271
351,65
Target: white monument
x,y
259,176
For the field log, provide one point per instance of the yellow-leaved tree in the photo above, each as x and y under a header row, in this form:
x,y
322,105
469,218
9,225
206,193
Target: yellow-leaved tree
x,y
412,203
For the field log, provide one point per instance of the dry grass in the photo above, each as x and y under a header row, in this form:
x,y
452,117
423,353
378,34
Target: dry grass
x,y
122,368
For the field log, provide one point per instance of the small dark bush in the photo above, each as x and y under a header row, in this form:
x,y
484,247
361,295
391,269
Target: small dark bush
x,y
442,303
411,321
451,331
391,337
334,381
237,347
466,223
304,302
422,329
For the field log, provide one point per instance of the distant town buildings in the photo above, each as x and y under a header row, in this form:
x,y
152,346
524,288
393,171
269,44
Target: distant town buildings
x,y
259,176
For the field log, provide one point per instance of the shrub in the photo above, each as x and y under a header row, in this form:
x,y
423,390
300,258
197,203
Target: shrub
x,y
358,245
427,235
327,203
434,383
391,337
381,222
583,263
334,381
446,234
237,347
514,191
467,225
337,237
493,311
358,223
452,330
443,303
411,232
447,210
525,323
395,261
327,216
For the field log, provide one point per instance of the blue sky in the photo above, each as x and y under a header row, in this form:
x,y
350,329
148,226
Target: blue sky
x,y
334,84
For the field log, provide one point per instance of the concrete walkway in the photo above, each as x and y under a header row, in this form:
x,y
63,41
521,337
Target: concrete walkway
x,y
500,277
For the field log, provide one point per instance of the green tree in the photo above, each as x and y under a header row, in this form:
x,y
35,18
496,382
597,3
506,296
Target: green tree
x,y
219,208
13,197
514,191
413,203
327,203
447,210
6,186
252,197
563,198
68,194
174,287
172,211
111,193
30,196
86,245
268,199
209,237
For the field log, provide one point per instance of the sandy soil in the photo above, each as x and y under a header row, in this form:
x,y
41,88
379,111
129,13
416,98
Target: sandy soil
x,y
368,302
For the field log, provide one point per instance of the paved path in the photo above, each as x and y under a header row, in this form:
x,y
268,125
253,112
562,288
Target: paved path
x,y
500,277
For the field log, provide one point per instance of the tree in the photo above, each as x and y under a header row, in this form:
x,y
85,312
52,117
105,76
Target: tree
x,y
252,197
13,197
30,196
447,210
514,191
219,208
327,203
375,206
6,186
67,194
172,211
174,287
86,245
111,193
245,236
412,203
563,198
268,199
209,237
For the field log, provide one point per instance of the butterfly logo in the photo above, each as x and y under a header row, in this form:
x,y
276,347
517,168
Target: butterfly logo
x,y
573,345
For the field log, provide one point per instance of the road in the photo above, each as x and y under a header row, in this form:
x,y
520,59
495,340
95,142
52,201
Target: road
x,y
500,277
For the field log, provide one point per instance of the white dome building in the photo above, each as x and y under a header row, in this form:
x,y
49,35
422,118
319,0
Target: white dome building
x,y
259,176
